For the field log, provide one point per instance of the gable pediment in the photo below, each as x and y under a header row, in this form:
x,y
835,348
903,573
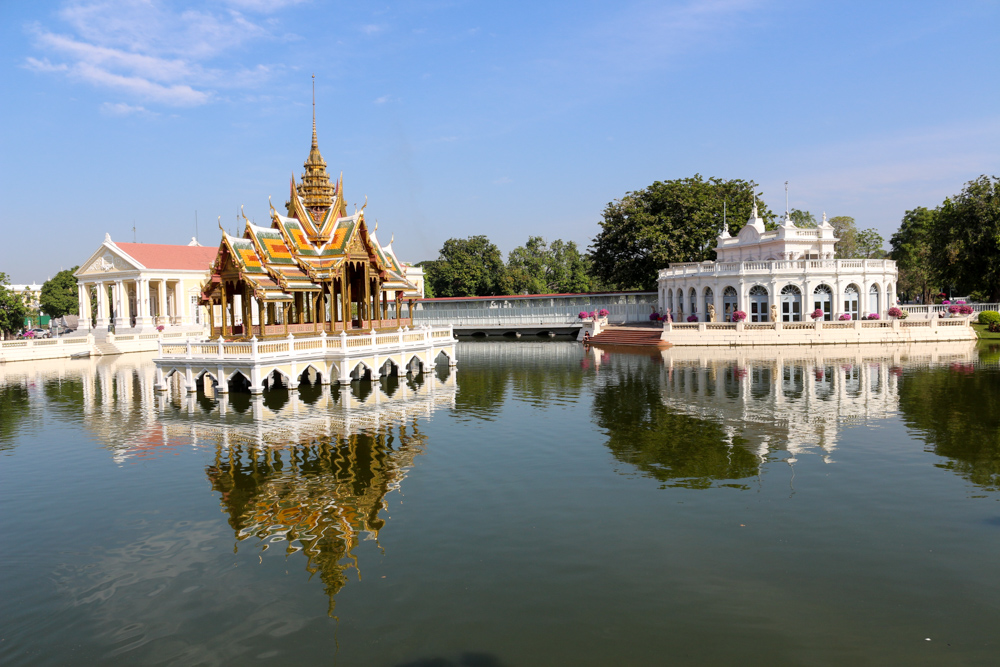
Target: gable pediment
x,y
108,260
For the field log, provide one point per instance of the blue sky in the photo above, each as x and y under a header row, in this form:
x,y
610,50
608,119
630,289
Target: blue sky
x,y
507,119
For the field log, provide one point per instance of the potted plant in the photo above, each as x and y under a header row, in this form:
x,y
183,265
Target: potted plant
x,y
692,318
895,312
739,316
817,314
844,317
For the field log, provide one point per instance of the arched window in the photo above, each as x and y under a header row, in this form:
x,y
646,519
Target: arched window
x,y
791,304
873,300
729,301
693,300
670,299
758,303
823,300
709,300
851,304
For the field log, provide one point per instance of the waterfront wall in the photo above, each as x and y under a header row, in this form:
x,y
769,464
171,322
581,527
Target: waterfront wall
x,y
67,346
819,333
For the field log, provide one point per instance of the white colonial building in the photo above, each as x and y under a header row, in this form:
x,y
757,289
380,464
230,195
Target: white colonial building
x,y
783,274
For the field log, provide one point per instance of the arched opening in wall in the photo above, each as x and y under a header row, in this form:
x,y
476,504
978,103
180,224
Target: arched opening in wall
x,y
791,304
361,372
823,300
758,303
362,390
414,366
873,299
709,301
670,300
310,385
389,380
730,299
693,301
238,382
275,391
851,301
442,366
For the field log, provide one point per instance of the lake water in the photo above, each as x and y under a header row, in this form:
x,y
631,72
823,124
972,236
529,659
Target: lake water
x,y
538,505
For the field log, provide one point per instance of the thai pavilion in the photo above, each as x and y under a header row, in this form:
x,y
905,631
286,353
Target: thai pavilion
x,y
783,274
316,269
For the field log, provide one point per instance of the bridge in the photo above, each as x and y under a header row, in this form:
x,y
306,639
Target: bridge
x,y
544,315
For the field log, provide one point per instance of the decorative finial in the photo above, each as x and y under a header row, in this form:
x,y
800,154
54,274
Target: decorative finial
x,y
392,238
107,237
363,208
221,228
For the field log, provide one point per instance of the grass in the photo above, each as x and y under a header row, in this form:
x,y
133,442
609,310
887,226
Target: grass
x,y
983,333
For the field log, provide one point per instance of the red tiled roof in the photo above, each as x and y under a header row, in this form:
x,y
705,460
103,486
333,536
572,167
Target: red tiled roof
x,y
177,257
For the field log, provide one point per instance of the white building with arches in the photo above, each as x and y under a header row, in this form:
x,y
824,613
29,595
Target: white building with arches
x,y
780,275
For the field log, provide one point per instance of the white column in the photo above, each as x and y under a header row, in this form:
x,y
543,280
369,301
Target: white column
x,y
142,304
83,294
161,293
121,305
102,307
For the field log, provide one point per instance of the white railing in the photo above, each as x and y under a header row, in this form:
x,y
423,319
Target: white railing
x,y
926,309
777,266
528,316
308,347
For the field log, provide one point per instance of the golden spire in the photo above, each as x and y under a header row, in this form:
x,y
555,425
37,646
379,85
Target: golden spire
x,y
316,189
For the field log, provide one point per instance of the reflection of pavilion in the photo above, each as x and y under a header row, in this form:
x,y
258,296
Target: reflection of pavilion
x,y
792,398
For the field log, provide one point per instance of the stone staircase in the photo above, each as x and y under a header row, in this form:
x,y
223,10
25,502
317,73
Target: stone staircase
x,y
103,348
630,336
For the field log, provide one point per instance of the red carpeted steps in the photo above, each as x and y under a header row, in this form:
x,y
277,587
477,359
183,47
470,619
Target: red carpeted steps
x,y
644,336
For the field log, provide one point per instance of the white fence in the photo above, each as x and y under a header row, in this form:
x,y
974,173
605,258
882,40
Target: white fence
x,y
549,311
939,308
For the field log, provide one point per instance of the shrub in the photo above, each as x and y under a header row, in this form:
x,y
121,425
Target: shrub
x,y
739,316
692,318
946,302
904,314
845,316
964,310
652,316
816,314
954,309
895,312
994,327
989,317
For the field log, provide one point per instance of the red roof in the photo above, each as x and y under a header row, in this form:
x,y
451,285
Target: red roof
x,y
177,257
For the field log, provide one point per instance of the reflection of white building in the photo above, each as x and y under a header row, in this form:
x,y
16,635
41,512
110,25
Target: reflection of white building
x,y
795,398
791,268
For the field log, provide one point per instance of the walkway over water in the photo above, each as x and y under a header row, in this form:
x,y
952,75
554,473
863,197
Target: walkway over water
x,y
531,314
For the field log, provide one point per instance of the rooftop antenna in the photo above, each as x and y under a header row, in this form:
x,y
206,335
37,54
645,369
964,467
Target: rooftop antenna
x,y
786,199
725,225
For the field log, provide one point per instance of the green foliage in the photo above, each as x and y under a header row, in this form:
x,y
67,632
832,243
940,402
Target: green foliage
x,y
676,449
537,268
957,414
671,221
989,316
994,327
870,245
12,309
911,248
467,267
59,295
966,242
802,218
845,230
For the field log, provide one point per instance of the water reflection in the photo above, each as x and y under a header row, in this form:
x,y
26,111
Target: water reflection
x,y
320,497
714,416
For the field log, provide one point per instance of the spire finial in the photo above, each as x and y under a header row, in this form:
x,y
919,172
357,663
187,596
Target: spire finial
x,y
315,143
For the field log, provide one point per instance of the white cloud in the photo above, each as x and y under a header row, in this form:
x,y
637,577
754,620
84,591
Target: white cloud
x,y
152,50
122,109
372,29
503,180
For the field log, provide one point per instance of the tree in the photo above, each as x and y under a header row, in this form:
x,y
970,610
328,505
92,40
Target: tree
x,y
467,267
966,239
869,245
59,295
538,268
803,219
844,229
12,309
671,221
911,248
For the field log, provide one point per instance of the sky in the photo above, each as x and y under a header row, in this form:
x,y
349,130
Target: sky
x,y
455,118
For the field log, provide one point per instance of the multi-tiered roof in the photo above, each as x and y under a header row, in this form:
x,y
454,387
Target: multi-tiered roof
x,y
308,247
